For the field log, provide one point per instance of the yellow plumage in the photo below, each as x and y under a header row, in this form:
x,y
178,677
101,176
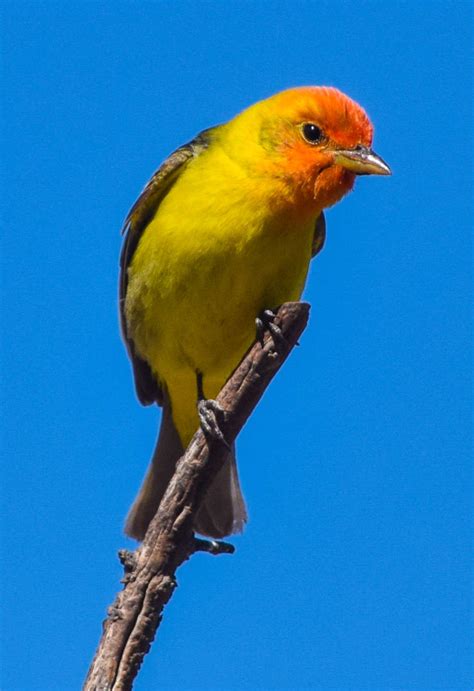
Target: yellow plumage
x,y
218,252
223,231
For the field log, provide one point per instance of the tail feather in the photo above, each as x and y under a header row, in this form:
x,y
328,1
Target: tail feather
x,y
160,471
222,511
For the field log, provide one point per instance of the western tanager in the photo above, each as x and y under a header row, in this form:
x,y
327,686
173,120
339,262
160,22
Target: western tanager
x,y
224,230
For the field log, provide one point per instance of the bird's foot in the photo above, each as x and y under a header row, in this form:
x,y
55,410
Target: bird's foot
x,y
265,322
210,412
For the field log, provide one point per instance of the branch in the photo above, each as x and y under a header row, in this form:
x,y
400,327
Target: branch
x,y
149,579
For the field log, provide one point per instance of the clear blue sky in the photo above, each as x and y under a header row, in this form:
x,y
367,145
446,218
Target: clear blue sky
x,y
354,571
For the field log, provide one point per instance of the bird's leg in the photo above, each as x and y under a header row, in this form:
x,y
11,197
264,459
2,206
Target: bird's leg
x,y
264,321
209,412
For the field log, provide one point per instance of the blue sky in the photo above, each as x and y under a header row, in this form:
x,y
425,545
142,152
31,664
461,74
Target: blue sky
x,y
354,571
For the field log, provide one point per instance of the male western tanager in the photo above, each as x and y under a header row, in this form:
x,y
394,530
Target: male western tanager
x,y
225,230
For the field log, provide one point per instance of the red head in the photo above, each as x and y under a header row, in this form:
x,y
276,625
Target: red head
x,y
317,139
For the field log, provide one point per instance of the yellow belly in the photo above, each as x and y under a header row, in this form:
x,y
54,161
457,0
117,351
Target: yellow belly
x,y
205,267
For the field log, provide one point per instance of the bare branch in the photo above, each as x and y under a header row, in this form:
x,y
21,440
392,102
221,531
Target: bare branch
x,y
149,579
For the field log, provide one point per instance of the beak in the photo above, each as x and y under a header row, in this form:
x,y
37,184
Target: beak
x,y
361,161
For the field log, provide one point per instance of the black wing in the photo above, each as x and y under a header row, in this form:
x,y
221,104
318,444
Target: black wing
x,y
142,212
319,235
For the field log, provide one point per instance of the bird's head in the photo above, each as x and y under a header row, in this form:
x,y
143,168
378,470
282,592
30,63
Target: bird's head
x,y
315,139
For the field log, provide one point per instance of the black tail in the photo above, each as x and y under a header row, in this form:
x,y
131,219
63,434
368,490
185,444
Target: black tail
x,y
222,511
167,451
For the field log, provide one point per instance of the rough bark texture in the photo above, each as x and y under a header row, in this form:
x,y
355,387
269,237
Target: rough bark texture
x,y
149,579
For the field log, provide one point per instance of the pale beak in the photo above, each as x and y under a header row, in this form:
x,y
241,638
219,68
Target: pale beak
x,y
361,161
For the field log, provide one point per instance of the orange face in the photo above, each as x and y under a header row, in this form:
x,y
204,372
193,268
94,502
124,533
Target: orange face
x,y
318,140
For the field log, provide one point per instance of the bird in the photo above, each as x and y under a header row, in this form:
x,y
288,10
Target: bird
x,y
222,234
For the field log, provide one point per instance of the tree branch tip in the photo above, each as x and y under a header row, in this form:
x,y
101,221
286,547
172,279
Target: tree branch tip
x,y
128,559
149,571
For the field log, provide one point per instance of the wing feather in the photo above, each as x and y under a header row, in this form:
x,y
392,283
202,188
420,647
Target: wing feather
x,y
142,212
319,235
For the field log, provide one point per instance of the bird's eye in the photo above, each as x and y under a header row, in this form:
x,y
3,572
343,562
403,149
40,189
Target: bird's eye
x,y
312,133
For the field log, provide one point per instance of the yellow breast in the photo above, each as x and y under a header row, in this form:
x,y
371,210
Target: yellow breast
x,y
218,252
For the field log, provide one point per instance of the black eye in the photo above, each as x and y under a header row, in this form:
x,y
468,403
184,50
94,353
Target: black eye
x,y
312,133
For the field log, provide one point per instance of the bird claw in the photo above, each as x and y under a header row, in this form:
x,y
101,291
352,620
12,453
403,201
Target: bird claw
x,y
209,411
265,322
